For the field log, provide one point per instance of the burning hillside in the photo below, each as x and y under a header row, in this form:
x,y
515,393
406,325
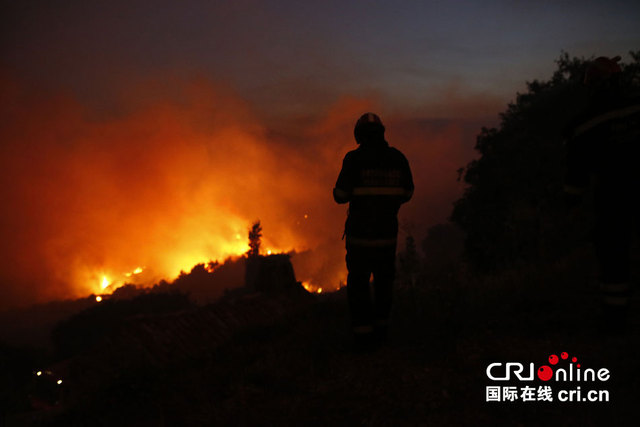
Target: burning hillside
x,y
97,202
170,178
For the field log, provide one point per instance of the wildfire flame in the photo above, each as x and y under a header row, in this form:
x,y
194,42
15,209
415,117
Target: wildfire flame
x,y
140,196
138,270
312,288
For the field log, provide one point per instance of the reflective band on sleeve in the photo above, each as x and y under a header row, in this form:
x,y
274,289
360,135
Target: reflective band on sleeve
x,y
363,329
617,288
380,191
374,243
572,189
617,301
616,114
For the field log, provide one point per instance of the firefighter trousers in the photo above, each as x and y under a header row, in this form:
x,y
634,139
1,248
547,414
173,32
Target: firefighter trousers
x,y
362,263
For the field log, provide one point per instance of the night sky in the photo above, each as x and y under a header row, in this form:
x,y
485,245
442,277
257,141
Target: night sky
x,y
293,58
128,123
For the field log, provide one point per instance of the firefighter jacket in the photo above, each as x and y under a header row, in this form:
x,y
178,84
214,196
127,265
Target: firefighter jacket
x,y
603,142
375,180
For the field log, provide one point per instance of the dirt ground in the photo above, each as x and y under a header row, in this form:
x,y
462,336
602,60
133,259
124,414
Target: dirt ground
x,y
302,369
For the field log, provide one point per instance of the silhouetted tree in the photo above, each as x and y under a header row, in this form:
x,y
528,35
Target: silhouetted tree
x,y
512,209
255,239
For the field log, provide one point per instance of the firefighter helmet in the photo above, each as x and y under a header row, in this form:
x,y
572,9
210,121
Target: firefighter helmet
x,y
369,118
368,127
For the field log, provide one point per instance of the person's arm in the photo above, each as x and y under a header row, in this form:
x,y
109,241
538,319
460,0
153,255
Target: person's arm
x,y
344,185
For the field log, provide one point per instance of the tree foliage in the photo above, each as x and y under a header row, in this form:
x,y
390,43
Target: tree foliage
x,y
513,206
255,239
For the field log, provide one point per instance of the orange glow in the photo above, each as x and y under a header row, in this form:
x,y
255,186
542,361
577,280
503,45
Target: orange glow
x,y
98,298
137,198
176,179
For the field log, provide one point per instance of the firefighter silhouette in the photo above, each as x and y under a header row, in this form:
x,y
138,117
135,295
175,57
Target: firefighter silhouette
x,y
602,147
375,180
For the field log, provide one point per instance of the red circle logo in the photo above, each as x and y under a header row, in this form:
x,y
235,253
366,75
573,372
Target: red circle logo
x,y
545,373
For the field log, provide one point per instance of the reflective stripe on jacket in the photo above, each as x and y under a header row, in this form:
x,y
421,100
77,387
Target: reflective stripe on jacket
x,y
375,180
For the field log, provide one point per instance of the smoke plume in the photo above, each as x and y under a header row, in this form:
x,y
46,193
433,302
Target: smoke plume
x,y
173,178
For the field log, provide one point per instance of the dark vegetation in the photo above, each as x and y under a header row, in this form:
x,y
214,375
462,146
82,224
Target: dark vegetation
x,y
301,369
205,283
512,278
89,326
513,210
